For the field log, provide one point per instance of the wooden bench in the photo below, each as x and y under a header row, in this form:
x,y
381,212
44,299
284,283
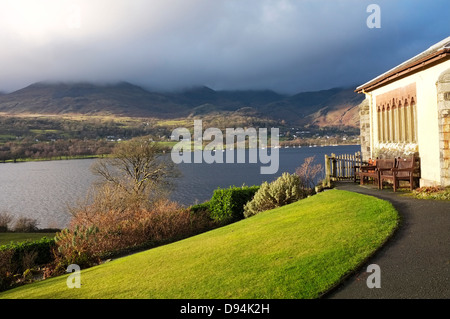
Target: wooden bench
x,y
357,168
373,171
406,169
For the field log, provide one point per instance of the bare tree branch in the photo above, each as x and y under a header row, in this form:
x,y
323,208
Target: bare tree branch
x,y
137,167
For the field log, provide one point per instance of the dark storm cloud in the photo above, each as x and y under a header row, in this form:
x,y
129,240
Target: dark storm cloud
x,y
288,46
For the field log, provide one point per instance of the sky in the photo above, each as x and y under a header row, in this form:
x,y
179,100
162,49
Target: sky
x,y
288,46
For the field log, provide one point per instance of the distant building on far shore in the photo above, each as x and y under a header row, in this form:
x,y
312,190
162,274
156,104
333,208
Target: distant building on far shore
x,y
407,111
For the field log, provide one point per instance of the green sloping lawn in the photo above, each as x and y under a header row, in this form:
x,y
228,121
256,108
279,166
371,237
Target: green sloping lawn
x,y
6,238
296,251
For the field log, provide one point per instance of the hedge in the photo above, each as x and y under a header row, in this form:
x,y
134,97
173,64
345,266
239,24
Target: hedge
x,y
43,248
227,204
200,207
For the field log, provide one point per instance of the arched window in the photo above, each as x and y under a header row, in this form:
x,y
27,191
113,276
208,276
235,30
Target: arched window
x,y
406,121
388,124
397,115
380,124
413,121
401,125
395,123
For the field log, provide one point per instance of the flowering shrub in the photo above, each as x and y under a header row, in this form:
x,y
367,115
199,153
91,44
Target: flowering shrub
x,y
282,191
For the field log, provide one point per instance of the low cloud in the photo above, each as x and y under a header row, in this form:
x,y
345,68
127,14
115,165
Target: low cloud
x,y
287,46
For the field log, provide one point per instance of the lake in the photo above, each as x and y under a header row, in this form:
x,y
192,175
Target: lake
x,y
44,190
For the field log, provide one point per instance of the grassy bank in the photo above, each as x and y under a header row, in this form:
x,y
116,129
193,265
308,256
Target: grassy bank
x,y
296,251
6,238
57,158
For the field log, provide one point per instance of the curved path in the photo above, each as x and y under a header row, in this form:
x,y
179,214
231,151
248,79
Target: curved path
x,y
415,262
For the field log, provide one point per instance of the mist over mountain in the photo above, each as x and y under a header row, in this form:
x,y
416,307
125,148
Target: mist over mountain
x,y
333,107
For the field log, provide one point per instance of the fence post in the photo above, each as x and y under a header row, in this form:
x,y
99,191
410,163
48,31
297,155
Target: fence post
x,y
338,167
333,166
327,171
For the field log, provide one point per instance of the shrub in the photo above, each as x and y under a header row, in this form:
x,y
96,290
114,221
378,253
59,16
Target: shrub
x,y
308,173
23,251
75,246
94,235
29,259
201,220
227,205
203,207
17,259
6,269
282,191
113,221
432,192
261,201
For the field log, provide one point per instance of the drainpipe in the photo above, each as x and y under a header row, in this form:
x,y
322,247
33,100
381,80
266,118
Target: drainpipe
x,y
371,121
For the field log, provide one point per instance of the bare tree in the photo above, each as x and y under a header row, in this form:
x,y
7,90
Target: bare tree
x,y
5,220
139,168
308,173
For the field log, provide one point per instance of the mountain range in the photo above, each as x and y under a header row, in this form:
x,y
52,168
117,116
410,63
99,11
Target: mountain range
x,y
333,107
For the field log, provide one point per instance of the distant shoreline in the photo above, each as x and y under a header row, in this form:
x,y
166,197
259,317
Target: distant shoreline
x,y
68,158
59,158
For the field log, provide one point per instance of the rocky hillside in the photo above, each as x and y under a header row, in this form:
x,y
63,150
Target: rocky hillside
x,y
334,107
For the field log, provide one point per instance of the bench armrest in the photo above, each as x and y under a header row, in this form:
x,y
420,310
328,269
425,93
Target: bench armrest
x,y
404,169
367,167
385,169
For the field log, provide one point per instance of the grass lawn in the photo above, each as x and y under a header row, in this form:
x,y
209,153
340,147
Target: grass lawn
x,y
296,251
6,238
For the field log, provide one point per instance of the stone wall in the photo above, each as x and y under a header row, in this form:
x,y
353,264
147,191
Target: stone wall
x,y
364,120
443,91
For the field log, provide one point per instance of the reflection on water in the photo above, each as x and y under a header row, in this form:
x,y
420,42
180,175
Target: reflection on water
x,y
43,190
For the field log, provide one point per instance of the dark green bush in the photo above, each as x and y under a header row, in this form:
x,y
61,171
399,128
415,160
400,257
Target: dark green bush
x,y
42,249
200,207
17,259
227,204
6,271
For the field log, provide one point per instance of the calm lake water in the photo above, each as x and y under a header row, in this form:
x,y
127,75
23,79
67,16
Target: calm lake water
x,y
44,190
